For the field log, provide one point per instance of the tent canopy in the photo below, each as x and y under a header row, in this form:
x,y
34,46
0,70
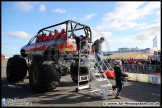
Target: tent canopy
x,y
134,55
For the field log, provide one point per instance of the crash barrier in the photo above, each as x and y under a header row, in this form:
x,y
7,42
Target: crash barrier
x,y
141,69
148,74
154,79
144,69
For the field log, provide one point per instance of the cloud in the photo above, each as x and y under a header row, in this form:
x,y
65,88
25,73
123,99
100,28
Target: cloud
x,y
157,12
62,26
68,16
146,33
125,13
143,39
106,34
25,6
6,43
19,34
2,32
150,27
150,7
127,9
96,34
74,18
42,8
58,10
19,44
157,20
115,25
131,11
89,16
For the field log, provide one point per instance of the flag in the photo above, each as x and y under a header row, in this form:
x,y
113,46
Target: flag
x,y
155,41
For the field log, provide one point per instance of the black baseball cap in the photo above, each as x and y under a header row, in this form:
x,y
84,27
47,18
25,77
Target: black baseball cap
x,y
102,38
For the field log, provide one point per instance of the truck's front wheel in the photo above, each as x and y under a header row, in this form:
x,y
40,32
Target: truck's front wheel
x,y
74,71
43,76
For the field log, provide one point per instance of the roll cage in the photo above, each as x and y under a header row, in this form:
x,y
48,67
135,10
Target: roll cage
x,y
71,27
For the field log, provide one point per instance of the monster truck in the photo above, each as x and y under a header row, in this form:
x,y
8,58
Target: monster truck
x,y
51,54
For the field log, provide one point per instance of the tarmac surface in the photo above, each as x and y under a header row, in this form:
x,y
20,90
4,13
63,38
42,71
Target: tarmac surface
x,y
65,94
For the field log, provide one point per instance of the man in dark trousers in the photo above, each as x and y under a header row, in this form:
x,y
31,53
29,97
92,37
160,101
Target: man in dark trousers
x,y
82,42
119,78
97,50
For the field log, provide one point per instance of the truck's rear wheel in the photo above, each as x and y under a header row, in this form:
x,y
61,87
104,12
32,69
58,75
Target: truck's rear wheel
x,y
64,70
74,71
16,69
43,75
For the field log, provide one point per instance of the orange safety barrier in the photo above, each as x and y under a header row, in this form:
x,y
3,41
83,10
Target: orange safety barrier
x,y
110,74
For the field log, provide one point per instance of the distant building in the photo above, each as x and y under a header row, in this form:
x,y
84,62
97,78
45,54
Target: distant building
x,y
125,50
7,57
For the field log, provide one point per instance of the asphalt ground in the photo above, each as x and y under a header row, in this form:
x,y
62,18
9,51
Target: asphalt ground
x,y
65,94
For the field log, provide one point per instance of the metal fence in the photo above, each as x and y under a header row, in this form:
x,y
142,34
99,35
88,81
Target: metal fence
x,y
140,68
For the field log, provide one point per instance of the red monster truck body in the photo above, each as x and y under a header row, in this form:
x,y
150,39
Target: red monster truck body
x,y
63,41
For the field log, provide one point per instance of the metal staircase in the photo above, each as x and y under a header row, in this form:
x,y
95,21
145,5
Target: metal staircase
x,y
98,83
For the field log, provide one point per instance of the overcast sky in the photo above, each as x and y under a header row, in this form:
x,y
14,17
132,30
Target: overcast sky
x,y
123,24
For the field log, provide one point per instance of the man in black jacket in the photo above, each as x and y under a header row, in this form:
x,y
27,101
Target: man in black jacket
x,y
82,42
97,50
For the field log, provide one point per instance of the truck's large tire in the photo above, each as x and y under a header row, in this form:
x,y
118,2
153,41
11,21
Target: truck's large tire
x,y
74,71
52,52
64,70
43,75
16,69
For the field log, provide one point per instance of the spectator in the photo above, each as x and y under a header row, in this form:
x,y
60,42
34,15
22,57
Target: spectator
x,y
81,42
119,78
97,50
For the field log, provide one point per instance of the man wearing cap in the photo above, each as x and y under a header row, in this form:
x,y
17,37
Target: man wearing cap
x,y
97,50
